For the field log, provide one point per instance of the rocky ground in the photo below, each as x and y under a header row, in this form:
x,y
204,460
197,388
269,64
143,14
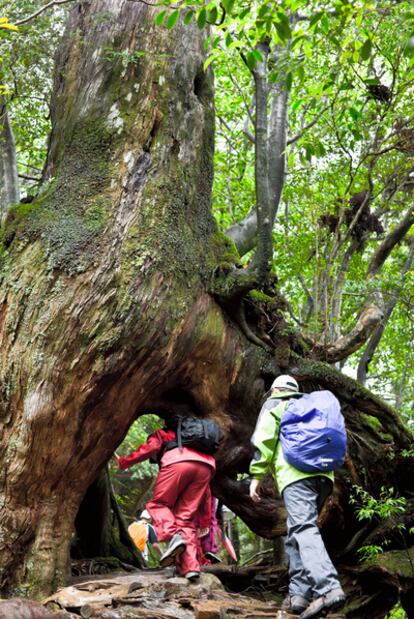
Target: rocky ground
x,y
144,595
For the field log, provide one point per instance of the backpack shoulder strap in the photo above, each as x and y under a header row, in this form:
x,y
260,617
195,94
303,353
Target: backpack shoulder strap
x,y
205,429
278,410
179,437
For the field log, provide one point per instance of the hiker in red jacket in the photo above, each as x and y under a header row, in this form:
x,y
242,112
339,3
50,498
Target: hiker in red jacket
x,y
181,485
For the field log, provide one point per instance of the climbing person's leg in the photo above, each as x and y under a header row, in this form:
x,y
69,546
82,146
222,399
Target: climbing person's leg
x,y
161,504
301,501
196,477
299,584
161,509
209,541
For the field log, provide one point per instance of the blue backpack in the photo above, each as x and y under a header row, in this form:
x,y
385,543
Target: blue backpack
x,y
312,433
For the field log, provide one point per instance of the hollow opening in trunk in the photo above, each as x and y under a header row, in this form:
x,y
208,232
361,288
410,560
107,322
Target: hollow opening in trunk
x,y
116,498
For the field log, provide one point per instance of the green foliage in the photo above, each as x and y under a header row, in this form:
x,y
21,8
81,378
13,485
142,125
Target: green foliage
x,y
26,75
397,613
349,69
386,507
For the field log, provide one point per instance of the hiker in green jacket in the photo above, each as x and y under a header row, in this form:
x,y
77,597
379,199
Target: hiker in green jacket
x,y
313,580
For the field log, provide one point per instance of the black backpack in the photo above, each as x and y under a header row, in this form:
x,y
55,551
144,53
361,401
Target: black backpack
x,y
202,435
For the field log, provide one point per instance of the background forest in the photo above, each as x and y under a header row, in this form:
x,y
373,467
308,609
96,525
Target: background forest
x,y
314,126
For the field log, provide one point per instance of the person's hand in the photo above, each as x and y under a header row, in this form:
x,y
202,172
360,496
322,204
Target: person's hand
x,y
202,532
254,486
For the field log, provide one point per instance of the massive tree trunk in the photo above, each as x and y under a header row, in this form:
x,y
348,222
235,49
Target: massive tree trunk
x,y
106,311
104,304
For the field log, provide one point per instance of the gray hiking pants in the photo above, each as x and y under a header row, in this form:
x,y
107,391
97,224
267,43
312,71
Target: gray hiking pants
x,y
311,572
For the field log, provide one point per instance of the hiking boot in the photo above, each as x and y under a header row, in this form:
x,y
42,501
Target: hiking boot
x,y
175,547
192,576
213,558
330,601
295,604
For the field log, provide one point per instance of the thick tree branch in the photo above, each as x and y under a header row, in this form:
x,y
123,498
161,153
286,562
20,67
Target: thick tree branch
x,y
277,143
244,233
391,240
44,8
379,330
259,224
349,343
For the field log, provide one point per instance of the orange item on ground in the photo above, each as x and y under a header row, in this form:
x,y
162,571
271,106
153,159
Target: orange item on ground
x,y
138,531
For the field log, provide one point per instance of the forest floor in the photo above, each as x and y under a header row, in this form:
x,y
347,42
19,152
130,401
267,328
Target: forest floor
x,y
145,594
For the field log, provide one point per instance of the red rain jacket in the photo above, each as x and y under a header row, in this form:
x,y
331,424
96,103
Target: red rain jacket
x,y
154,443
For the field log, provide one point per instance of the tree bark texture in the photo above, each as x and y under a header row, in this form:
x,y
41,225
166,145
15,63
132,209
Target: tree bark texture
x,y
106,314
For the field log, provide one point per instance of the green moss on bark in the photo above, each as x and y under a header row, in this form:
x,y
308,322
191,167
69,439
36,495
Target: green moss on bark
x,y
70,216
223,253
396,562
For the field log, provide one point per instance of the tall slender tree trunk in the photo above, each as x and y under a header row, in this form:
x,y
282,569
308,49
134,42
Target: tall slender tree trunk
x,y
272,149
9,181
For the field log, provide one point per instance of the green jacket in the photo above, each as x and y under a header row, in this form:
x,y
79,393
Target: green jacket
x,y
269,455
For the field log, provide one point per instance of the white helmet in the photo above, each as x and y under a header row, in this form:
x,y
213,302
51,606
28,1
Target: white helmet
x,y
285,382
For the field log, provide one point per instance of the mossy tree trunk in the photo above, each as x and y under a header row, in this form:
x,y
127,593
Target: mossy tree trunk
x,y
106,310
